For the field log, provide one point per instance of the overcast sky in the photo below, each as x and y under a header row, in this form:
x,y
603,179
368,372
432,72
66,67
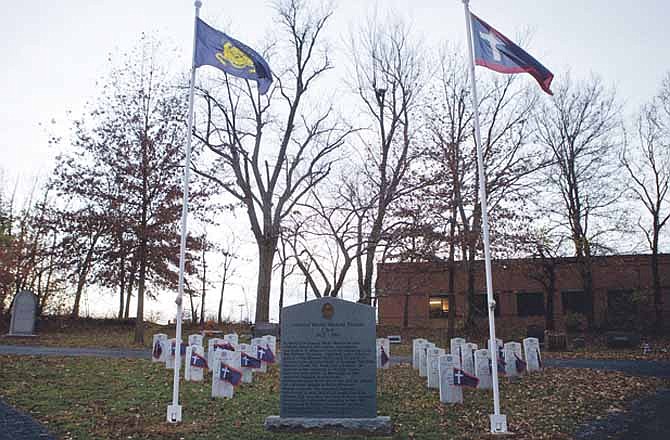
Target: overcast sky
x,y
53,51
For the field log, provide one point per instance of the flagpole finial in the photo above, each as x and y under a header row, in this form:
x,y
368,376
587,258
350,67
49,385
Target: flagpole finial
x,y
198,4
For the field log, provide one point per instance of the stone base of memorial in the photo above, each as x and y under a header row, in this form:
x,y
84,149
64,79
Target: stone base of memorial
x,y
375,426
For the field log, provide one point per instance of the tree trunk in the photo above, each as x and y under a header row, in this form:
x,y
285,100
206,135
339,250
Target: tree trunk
x,y
122,282
549,321
131,282
266,253
83,274
656,286
139,319
223,288
204,284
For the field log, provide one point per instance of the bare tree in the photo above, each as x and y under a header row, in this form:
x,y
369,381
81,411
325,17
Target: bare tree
x,y
229,252
389,73
579,127
648,166
269,175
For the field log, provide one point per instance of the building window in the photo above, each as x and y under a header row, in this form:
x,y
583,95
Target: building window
x,y
621,308
438,306
574,301
530,304
481,305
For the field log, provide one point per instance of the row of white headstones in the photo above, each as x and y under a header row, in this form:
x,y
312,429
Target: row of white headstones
x,y
440,367
222,354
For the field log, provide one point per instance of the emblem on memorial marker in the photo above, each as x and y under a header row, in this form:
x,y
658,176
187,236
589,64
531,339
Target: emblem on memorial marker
x,y
327,311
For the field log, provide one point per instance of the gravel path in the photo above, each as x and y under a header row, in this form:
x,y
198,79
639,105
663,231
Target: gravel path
x,y
17,425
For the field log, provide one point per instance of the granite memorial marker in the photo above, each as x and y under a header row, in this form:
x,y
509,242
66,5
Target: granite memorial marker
x,y
226,373
24,308
514,364
328,368
449,391
195,363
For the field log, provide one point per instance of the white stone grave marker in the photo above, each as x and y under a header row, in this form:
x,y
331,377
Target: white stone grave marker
x,y
195,363
468,351
24,308
449,392
159,347
383,353
270,342
531,351
423,359
247,357
211,342
498,341
226,363
416,343
195,339
456,347
433,366
483,369
512,357
170,353
233,338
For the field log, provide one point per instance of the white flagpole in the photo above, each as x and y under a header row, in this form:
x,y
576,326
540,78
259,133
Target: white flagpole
x,y
174,410
498,421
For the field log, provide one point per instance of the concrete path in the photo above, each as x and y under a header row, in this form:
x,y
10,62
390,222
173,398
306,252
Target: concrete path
x,y
17,425
28,350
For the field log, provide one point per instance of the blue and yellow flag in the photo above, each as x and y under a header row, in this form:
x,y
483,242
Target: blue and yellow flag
x,y
214,48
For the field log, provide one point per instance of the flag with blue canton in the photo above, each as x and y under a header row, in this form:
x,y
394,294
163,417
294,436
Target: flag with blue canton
x,y
198,361
214,48
230,375
266,354
384,357
499,53
249,361
463,379
520,364
225,346
182,349
157,351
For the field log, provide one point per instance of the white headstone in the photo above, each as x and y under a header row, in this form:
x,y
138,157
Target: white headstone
x,y
232,338
499,353
158,347
270,342
498,341
483,369
383,346
531,351
433,366
195,339
423,359
416,343
224,360
259,344
456,347
170,348
512,353
468,351
24,309
247,372
449,393
210,349
192,370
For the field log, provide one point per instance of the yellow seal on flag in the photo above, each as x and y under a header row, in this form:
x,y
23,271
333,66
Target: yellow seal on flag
x,y
233,56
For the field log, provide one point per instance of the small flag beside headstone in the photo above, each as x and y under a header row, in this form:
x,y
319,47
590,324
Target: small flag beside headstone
x,y
248,362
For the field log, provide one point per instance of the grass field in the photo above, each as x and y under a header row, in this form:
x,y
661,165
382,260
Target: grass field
x,y
93,398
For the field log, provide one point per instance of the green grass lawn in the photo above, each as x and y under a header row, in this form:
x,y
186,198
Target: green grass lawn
x,y
94,398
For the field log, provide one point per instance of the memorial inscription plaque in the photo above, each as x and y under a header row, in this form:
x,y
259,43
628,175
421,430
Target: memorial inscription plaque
x,y
328,367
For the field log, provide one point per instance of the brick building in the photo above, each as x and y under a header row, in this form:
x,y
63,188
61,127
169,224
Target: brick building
x,y
417,294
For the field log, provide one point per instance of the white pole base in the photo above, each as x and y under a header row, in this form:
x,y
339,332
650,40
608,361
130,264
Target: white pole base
x,y
174,413
498,424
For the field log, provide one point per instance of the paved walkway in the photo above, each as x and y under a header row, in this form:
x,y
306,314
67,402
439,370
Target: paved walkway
x,y
17,425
